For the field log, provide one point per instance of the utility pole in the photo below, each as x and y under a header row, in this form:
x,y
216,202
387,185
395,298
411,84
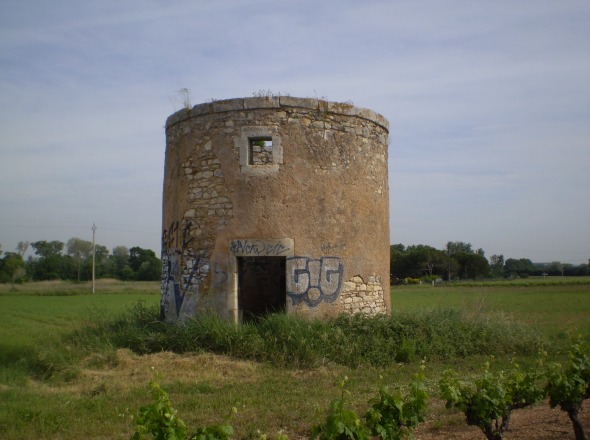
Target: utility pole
x,y
449,253
93,252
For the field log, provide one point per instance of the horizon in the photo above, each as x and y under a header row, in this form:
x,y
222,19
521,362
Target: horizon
x,y
488,105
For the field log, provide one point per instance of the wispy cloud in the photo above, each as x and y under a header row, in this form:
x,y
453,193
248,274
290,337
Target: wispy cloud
x,y
489,105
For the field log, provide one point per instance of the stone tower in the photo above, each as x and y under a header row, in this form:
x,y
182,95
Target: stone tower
x,y
275,204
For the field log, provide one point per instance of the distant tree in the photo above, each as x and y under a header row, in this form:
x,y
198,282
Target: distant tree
x,y
453,250
12,267
49,264
22,247
472,265
118,261
497,265
428,260
150,270
555,268
79,250
101,254
567,269
578,271
396,253
478,266
459,247
522,267
48,248
416,261
145,264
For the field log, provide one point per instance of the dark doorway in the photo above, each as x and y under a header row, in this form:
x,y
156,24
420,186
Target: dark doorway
x,y
261,286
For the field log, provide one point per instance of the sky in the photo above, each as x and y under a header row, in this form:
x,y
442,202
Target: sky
x,y
488,104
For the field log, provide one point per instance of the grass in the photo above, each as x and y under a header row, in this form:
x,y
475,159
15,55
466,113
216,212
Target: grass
x,y
35,317
67,288
299,343
554,310
285,393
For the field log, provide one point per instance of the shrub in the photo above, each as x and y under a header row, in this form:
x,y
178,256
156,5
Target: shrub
x,y
489,401
159,421
393,416
569,386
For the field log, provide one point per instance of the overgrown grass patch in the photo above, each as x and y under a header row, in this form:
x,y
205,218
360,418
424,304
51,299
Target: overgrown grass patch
x,y
293,342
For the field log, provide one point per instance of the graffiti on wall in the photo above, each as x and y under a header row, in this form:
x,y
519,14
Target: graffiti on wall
x,y
257,248
180,275
178,235
312,281
220,275
183,271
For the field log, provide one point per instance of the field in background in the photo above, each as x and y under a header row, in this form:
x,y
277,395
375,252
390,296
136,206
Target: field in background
x,y
63,288
107,387
553,307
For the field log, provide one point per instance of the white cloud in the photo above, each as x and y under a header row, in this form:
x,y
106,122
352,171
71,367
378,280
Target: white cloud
x,y
489,106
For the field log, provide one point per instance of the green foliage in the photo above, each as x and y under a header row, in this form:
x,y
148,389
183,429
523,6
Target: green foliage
x,y
159,421
341,423
525,387
214,432
158,418
522,267
145,264
415,261
488,401
393,416
12,268
569,386
51,264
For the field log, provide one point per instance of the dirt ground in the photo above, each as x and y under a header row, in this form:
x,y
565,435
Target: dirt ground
x,y
537,423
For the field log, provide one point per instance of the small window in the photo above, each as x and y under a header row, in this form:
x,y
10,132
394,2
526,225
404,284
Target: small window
x,y
260,151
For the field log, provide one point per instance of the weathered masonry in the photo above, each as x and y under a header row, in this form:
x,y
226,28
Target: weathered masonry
x,y
275,204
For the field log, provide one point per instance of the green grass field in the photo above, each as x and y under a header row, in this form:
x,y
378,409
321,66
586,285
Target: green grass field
x,y
554,310
107,386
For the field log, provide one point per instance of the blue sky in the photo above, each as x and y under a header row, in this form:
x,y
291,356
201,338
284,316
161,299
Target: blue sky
x,y
488,103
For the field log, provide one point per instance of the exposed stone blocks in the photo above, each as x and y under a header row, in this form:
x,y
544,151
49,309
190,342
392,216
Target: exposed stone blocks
x,y
363,297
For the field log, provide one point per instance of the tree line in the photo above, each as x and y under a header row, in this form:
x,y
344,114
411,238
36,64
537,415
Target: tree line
x,y
56,260
458,260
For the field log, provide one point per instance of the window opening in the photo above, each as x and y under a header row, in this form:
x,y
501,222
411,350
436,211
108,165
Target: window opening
x,y
260,151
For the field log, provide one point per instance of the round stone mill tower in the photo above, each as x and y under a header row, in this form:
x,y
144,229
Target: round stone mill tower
x,y
275,204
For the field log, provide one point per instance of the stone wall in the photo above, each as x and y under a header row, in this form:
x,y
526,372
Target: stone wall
x,y
361,297
301,179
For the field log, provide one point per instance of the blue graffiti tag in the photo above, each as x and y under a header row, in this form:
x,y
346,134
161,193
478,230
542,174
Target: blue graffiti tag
x,y
198,269
314,280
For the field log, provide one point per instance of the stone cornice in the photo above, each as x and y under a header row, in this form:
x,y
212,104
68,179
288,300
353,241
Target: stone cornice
x,y
277,102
